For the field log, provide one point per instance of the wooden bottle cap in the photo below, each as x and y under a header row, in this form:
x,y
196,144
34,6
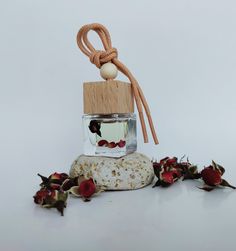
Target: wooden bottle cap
x,y
107,97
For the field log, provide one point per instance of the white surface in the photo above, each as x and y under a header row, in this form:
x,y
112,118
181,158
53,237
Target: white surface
x,y
189,48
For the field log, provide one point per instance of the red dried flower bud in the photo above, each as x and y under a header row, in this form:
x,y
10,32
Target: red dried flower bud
x,y
58,176
176,172
54,186
167,177
87,188
40,196
55,176
162,161
121,143
211,177
102,142
172,161
111,144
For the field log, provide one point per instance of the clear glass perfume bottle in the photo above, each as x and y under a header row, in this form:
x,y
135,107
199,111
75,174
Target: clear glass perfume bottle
x,y
112,135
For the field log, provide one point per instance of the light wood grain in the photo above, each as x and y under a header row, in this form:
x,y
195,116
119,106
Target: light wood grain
x,y
107,97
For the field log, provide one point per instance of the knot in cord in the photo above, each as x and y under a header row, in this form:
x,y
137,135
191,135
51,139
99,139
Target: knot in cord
x,y
109,54
99,57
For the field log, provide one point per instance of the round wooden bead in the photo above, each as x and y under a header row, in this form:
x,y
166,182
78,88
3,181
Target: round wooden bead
x,y
108,71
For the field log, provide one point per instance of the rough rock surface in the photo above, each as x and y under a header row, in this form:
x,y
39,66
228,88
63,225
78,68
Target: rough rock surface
x,y
132,171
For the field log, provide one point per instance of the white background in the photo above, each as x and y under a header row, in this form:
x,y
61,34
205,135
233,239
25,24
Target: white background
x,y
183,53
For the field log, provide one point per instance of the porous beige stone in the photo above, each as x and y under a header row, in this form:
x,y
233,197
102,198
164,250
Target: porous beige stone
x,y
132,171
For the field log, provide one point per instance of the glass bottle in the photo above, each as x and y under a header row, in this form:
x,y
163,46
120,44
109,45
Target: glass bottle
x,y
109,122
112,135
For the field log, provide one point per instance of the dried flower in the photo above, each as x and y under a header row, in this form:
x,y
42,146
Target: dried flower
x,y
55,189
189,171
94,127
86,188
167,171
41,195
69,183
112,144
54,181
51,199
212,177
102,142
121,143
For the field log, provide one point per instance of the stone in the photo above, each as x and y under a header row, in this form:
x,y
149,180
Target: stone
x,y
129,172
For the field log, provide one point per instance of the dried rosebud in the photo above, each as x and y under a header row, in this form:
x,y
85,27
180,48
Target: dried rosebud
x,y
111,144
171,161
102,142
51,199
45,196
54,181
121,143
40,196
166,174
59,176
211,177
189,171
176,172
169,170
170,164
87,188
69,183
94,127
167,178
54,186
163,161
56,200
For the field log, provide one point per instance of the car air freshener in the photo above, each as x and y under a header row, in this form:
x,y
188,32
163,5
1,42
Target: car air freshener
x,y
109,122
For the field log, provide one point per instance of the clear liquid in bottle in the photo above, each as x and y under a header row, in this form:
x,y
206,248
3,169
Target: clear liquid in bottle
x,y
111,135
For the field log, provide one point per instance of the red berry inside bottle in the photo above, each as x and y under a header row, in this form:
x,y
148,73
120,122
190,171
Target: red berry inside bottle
x,y
121,143
111,144
102,142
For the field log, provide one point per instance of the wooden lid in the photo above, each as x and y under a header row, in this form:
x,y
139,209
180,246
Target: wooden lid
x,y
107,97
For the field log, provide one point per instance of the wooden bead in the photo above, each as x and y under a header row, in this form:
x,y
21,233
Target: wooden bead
x,y
108,71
